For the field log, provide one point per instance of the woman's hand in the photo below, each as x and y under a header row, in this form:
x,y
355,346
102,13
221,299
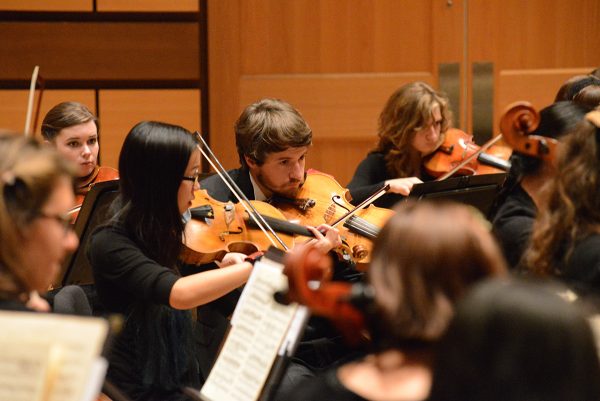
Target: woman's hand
x,y
403,186
230,259
324,243
37,303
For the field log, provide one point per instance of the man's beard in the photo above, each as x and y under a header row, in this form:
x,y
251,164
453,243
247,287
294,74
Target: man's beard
x,y
288,192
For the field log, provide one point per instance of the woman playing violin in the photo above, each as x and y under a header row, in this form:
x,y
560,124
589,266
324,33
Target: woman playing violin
x,y
135,262
73,130
411,126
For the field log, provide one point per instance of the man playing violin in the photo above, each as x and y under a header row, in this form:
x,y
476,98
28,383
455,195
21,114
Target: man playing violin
x,y
272,140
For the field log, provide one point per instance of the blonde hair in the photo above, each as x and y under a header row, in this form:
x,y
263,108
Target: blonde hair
x,y
28,173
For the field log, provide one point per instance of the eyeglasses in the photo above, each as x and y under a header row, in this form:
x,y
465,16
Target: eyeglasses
x,y
63,219
194,178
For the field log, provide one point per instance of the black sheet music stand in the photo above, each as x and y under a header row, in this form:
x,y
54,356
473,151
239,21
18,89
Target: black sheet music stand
x,y
77,269
478,191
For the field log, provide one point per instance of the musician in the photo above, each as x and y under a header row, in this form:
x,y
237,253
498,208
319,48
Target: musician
x,y
566,237
517,204
36,192
272,140
424,260
411,126
73,130
135,263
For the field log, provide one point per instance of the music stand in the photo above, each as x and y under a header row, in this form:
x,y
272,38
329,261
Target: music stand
x,y
77,269
478,191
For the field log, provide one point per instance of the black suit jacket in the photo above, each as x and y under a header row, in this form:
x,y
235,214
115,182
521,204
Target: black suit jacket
x,y
217,189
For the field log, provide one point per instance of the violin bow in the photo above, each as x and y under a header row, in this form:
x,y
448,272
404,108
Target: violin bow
x,y
35,80
465,161
378,194
237,192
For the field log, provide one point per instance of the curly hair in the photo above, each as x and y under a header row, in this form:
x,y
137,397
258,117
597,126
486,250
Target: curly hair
x,y
571,209
408,110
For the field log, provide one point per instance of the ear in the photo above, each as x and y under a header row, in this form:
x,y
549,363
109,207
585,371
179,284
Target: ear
x,y
250,161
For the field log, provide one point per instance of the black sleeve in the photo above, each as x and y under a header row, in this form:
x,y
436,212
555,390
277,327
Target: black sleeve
x,y
122,271
370,175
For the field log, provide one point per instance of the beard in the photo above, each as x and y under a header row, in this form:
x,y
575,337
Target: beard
x,y
289,189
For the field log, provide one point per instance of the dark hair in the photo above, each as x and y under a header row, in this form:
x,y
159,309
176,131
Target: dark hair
x,y
571,209
424,259
64,115
151,165
267,126
588,96
514,341
406,111
556,120
572,86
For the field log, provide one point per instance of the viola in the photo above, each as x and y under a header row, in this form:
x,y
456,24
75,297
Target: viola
x,y
517,123
322,200
335,300
83,186
218,227
461,156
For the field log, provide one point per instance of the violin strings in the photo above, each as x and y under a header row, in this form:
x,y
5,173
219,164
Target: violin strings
x,y
252,212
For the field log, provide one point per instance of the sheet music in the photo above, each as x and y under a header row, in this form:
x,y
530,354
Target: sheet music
x,y
259,325
47,357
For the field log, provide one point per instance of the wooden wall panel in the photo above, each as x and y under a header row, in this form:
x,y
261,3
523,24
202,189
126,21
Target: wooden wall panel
x,y
539,87
13,105
535,34
100,50
120,110
336,62
46,5
147,5
332,36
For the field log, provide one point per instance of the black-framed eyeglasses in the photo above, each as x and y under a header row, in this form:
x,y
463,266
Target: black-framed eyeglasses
x,y
194,178
63,219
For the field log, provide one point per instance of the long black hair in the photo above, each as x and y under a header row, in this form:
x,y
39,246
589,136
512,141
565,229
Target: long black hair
x,y
151,166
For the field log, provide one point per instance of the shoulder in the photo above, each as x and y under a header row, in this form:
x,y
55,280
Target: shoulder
x,y
216,188
106,173
325,386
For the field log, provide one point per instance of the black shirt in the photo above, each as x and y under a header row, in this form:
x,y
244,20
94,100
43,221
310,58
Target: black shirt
x,y
153,356
326,386
512,224
582,271
371,175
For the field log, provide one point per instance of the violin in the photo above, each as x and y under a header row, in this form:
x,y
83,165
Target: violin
x,y
217,228
334,300
517,123
322,200
461,156
83,186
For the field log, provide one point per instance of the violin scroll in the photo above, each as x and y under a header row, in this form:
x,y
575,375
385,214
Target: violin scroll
x,y
309,273
517,123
